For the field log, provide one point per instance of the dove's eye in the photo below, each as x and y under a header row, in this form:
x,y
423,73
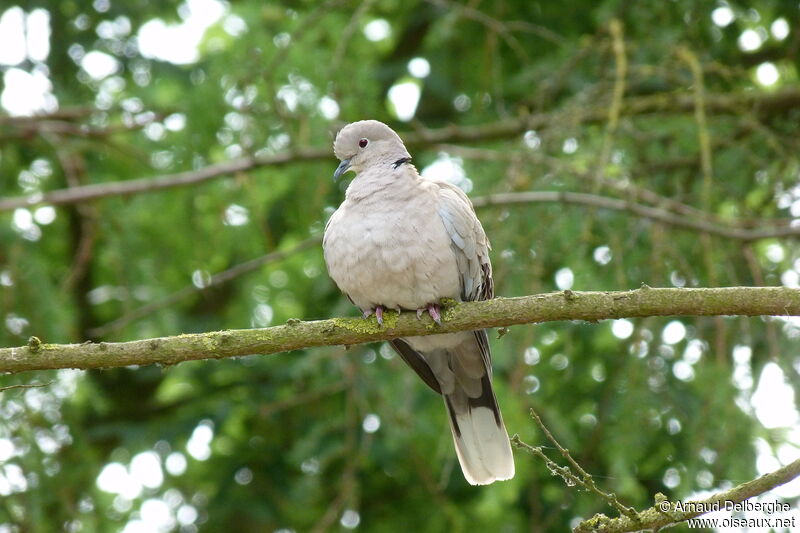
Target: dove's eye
x,y
363,143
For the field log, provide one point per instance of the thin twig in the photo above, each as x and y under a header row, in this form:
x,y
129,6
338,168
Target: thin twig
x,y
73,167
703,136
557,470
614,111
704,140
25,386
631,191
644,211
663,513
585,479
617,95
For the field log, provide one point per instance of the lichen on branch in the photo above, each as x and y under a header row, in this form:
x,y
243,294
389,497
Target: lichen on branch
x,y
499,312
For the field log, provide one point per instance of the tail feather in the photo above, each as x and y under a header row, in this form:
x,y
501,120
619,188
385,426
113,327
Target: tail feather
x,y
479,434
481,441
458,366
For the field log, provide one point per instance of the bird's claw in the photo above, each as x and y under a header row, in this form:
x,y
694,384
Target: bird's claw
x,y
378,314
433,310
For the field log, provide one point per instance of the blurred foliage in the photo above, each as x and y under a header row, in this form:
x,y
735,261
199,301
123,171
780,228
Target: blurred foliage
x,y
327,438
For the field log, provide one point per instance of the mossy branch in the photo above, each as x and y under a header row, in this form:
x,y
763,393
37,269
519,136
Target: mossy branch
x,y
666,513
566,305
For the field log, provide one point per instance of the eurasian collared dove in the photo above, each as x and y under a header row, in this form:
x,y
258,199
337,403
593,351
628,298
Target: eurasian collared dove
x,y
401,241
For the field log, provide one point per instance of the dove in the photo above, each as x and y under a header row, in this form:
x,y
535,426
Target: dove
x,y
403,242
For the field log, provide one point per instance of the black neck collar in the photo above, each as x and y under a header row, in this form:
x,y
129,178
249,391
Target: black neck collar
x,y
402,161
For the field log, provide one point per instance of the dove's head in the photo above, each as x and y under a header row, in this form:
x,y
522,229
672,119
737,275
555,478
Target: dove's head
x,y
362,144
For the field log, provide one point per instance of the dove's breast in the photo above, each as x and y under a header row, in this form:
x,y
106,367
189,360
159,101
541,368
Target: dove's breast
x,y
395,257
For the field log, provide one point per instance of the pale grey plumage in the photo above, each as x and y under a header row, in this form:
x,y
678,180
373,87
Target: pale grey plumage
x,y
402,241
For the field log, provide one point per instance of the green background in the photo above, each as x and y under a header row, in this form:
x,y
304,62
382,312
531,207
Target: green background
x,y
288,442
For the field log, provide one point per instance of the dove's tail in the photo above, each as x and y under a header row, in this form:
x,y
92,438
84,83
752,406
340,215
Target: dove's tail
x,y
480,436
461,372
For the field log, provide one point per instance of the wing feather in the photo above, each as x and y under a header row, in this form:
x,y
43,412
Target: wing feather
x,y
468,242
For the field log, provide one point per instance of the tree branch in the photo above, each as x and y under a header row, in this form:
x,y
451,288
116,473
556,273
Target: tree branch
x,y
778,102
25,386
652,213
665,513
157,183
566,305
580,477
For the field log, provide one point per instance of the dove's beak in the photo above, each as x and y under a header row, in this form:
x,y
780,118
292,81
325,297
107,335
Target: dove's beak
x,y
343,167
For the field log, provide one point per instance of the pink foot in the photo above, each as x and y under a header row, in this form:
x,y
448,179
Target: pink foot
x,y
378,313
433,310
